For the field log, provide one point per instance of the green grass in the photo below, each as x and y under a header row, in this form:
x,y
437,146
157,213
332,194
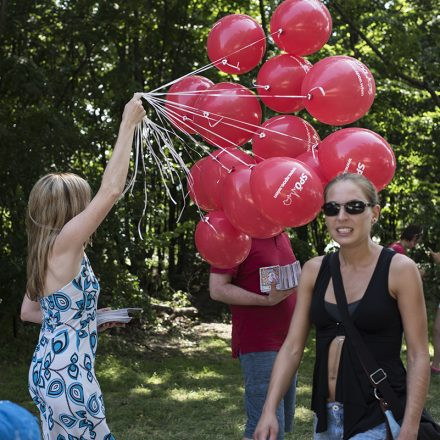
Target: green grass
x,y
171,386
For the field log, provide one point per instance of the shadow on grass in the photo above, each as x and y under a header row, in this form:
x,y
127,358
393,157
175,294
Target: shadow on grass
x,y
171,386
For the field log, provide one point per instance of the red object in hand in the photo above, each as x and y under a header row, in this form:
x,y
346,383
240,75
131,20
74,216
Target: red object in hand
x,y
180,107
341,90
282,75
284,136
219,243
240,209
236,44
227,115
305,25
358,150
286,191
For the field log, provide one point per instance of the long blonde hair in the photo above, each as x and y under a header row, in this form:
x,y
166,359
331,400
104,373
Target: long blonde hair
x,y
54,200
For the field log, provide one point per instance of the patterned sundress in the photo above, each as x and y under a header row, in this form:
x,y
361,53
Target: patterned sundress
x,y
62,380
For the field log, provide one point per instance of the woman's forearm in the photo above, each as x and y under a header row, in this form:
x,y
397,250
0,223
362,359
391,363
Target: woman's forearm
x,y
115,174
417,389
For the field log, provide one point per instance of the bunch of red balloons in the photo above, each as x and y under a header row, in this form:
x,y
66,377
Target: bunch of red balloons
x,y
281,184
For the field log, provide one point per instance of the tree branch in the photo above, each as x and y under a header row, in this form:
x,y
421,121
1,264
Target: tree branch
x,y
393,69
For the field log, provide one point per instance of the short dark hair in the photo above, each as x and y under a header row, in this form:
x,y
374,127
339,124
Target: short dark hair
x,y
410,232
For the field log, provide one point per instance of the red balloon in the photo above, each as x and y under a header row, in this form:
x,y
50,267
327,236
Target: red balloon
x,y
282,75
305,26
286,136
286,191
341,90
240,209
310,158
227,115
219,243
236,44
177,105
216,170
358,150
196,189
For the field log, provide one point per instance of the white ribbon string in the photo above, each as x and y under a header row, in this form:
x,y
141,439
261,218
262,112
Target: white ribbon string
x,y
199,112
219,61
223,150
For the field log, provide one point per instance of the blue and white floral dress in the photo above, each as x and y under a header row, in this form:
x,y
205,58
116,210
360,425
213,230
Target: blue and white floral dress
x,y
62,379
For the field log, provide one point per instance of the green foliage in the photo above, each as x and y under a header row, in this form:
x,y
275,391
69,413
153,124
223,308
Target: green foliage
x,y
68,67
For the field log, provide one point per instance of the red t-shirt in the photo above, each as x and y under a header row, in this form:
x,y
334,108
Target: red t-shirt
x,y
397,247
260,328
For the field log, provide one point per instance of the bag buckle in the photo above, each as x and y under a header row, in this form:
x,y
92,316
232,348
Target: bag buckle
x,y
378,376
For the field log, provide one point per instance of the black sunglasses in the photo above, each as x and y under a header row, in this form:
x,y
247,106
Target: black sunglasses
x,y
352,207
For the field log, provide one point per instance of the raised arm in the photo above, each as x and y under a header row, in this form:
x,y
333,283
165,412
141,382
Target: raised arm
x,y
221,289
78,230
290,354
30,310
405,283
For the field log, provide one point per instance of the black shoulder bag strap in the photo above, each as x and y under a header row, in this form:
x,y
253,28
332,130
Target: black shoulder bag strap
x,y
376,375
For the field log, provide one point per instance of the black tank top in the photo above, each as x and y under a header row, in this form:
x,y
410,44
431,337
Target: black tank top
x,y
378,320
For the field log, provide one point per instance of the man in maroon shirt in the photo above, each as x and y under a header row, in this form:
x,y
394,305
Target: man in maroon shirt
x,y
409,237
259,324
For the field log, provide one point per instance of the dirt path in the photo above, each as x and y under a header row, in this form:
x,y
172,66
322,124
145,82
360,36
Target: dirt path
x,y
182,337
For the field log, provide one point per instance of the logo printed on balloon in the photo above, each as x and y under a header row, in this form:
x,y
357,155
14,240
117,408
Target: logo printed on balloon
x,y
297,187
356,65
347,165
285,181
358,150
359,169
310,136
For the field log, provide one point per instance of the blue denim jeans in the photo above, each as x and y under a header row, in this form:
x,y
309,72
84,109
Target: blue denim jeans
x,y
257,368
335,427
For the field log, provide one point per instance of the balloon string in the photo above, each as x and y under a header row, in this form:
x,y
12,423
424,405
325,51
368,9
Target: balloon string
x,y
195,72
226,151
199,112
201,92
210,65
155,127
218,135
223,150
137,143
144,168
195,93
314,148
258,128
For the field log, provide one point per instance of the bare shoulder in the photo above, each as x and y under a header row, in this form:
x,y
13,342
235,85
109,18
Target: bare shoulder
x,y
310,269
400,264
314,264
404,274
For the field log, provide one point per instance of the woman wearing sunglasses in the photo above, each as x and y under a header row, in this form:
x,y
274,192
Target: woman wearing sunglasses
x,y
385,299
